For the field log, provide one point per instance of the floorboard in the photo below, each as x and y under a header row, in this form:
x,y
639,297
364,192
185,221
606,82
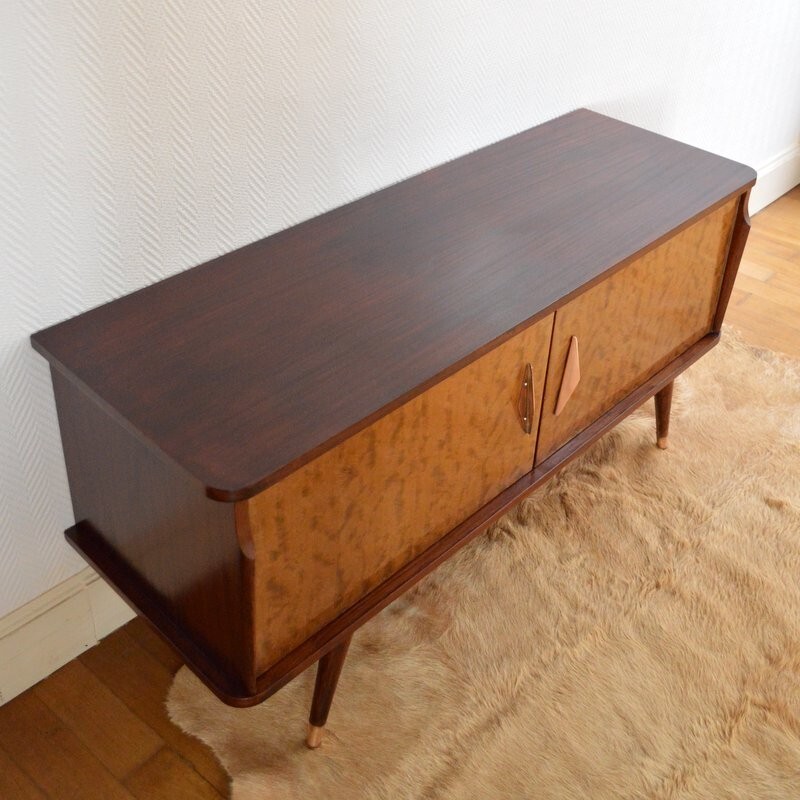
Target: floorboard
x,y
168,777
141,682
765,304
52,755
116,736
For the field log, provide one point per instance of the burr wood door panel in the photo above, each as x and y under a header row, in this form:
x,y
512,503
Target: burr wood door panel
x,y
333,530
621,331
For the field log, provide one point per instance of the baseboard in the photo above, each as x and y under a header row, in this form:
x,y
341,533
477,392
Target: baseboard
x,y
54,628
775,178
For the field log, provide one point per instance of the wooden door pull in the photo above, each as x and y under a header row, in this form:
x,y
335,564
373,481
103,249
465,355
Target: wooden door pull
x,y
572,376
525,404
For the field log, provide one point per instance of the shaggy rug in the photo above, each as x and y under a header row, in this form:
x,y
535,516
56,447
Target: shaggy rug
x,y
630,631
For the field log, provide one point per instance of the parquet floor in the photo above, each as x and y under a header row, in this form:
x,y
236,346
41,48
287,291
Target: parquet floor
x,y
765,304
97,728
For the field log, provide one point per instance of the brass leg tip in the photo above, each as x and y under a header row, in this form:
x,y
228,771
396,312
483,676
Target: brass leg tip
x,y
662,442
314,736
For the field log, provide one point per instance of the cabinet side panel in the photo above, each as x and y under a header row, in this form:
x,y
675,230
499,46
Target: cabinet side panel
x,y
634,323
341,525
176,548
741,230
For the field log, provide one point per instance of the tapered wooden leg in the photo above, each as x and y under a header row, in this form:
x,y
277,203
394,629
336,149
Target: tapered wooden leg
x,y
329,668
663,405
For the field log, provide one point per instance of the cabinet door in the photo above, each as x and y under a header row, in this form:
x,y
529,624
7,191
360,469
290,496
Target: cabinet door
x,y
632,324
336,528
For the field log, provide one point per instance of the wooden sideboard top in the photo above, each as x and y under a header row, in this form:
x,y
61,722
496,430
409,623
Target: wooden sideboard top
x,y
246,367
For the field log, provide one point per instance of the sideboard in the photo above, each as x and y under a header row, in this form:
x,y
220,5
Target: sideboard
x,y
265,450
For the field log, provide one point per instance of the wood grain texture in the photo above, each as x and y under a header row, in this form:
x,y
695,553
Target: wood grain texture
x,y
663,402
98,728
345,624
14,783
131,663
66,769
149,529
606,421
634,323
352,384
765,303
141,682
329,668
741,230
167,777
570,377
329,533
111,731
245,368
150,641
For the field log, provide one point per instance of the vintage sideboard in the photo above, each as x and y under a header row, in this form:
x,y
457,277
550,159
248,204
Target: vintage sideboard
x,y
265,450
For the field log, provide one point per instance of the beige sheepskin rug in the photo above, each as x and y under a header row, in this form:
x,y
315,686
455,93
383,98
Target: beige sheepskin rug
x,y
632,630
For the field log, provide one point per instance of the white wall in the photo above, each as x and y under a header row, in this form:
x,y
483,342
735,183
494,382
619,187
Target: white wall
x,y
138,138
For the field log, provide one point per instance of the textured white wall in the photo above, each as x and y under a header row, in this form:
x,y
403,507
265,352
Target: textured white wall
x,y
138,138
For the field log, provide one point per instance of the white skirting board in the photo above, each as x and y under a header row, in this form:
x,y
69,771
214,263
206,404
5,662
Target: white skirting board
x,y
54,628
45,634
775,178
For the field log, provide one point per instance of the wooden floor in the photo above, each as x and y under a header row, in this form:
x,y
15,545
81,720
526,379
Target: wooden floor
x,y
765,304
97,728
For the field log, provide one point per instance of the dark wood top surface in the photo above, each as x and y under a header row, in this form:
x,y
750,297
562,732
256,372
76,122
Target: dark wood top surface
x,y
244,368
